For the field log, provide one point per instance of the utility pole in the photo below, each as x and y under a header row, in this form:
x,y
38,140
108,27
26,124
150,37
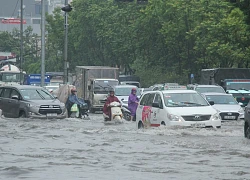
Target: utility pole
x,y
65,77
21,44
43,44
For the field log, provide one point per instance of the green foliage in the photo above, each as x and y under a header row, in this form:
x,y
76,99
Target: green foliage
x,y
161,41
10,42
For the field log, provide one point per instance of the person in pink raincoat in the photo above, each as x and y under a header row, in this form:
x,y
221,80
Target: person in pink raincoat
x,y
133,101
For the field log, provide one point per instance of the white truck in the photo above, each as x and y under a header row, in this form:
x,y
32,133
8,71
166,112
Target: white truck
x,y
93,84
10,75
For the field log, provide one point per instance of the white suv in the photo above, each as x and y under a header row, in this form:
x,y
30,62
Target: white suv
x,y
176,107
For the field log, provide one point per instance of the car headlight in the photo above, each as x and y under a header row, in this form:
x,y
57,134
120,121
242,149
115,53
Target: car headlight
x,y
241,111
33,105
62,106
173,117
216,117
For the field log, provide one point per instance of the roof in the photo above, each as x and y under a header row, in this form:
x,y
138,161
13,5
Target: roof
x,y
130,82
221,68
215,93
96,67
179,91
207,86
104,79
125,85
24,87
173,91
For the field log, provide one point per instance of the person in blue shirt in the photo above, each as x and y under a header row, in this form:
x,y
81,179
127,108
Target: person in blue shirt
x,y
73,99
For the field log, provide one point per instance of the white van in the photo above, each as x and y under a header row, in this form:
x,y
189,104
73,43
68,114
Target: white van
x,y
176,108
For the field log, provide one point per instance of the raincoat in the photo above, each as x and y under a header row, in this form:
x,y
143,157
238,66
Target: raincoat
x,y
132,105
110,99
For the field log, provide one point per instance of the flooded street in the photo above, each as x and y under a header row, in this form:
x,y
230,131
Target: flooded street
x,y
88,149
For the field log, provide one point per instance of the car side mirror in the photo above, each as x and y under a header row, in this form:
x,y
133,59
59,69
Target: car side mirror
x,y
89,87
240,103
15,97
122,99
156,105
211,103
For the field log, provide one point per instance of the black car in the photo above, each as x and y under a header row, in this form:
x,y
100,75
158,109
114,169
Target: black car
x,y
247,122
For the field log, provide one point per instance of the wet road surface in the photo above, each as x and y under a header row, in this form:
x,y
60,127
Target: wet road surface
x,y
87,149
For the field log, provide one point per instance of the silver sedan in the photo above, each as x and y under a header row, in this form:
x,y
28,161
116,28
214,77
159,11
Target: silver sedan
x,y
226,104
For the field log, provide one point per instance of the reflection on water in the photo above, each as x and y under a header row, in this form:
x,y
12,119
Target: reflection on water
x,y
77,149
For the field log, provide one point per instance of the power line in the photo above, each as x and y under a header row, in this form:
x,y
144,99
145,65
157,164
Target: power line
x,y
15,8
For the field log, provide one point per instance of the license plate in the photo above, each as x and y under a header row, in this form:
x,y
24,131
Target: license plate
x,y
198,125
51,114
229,117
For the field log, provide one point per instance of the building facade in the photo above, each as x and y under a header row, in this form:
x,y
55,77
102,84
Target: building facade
x,y
10,11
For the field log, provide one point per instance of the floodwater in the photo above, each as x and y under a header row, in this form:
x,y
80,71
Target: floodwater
x,y
72,149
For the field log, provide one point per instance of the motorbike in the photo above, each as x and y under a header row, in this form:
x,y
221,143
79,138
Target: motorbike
x,y
116,114
126,112
75,112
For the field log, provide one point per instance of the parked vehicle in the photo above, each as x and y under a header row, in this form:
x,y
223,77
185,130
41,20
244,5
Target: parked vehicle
x,y
235,81
51,89
129,80
116,113
142,90
10,75
93,84
157,87
30,101
122,92
134,83
228,107
176,108
35,79
206,88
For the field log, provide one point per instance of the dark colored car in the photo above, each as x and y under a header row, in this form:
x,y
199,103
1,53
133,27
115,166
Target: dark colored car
x,y
30,101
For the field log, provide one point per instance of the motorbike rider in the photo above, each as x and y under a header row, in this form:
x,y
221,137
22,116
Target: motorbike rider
x,y
106,107
73,99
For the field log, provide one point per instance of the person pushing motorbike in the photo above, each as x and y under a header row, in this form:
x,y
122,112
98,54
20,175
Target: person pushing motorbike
x,y
133,101
73,99
106,107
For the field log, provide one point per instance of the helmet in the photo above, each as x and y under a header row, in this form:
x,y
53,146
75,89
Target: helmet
x,y
133,89
73,90
111,90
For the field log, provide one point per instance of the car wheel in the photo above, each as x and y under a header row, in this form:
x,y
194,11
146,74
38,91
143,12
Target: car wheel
x,y
127,116
247,131
22,114
140,125
163,123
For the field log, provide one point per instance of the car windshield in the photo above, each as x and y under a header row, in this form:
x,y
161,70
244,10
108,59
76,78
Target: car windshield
x,y
210,89
36,94
184,99
10,77
125,91
221,99
238,85
103,86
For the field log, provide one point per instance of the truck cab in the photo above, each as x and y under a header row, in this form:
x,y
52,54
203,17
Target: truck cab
x,y
239,88
10,75
98,92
